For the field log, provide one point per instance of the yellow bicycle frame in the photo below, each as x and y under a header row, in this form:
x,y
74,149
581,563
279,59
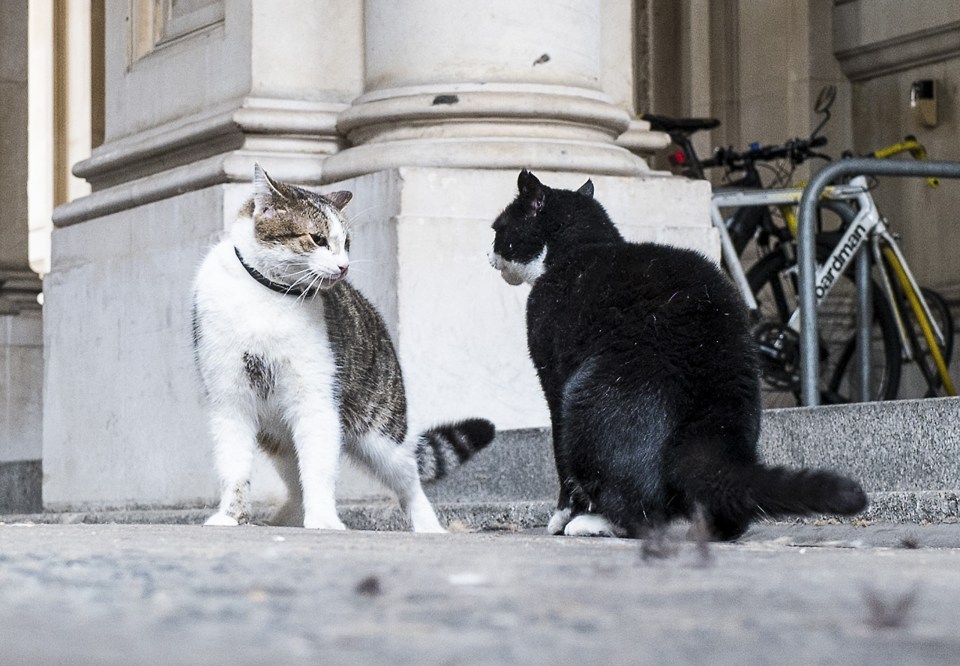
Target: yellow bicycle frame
x,y
921,315
908,145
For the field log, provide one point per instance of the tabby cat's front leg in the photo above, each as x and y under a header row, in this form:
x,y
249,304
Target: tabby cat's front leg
x,y
234,441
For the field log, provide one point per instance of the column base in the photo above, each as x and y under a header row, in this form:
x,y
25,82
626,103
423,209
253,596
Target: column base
x,y
508,154
495,126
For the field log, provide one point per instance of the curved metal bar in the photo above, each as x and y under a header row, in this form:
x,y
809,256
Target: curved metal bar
x,y
807,251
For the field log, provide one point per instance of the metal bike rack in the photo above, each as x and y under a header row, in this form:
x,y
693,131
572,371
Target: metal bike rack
x,y
807,255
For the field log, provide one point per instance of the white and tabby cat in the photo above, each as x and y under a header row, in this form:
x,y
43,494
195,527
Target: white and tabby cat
x,y
296,361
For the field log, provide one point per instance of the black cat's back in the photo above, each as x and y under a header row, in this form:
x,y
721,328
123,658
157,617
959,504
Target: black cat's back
x,y
650,315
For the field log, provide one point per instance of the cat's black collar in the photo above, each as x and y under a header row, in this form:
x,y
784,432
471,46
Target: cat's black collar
x,y
290,290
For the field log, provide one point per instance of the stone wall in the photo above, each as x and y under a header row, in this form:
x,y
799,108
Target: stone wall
x,y
883,47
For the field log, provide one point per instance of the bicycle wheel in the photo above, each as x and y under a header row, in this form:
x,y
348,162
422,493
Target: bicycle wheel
x,y
773,281
923,380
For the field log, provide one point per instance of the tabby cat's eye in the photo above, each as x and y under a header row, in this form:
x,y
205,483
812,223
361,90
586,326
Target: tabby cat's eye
x,y
319,239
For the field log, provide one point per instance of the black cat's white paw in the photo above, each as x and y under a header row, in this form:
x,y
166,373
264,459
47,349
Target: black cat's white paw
x,y
558,521
590,524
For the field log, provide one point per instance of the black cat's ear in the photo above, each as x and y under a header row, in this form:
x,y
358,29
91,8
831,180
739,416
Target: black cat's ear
x,y
339,199
532,192
586,189
266,193
526,179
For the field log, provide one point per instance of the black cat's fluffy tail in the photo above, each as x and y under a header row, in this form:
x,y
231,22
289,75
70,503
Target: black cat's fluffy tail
x,y
441,449
738,493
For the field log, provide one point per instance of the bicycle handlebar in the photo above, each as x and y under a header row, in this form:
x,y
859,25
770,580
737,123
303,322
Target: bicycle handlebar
x,y
796,150
908,145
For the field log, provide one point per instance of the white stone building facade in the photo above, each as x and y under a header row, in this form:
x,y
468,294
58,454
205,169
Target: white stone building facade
x,y
426,110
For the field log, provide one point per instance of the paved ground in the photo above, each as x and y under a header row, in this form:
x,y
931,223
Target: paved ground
x,y
175,594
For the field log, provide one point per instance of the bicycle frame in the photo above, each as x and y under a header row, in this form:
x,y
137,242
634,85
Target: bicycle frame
x,y
774,197
867,224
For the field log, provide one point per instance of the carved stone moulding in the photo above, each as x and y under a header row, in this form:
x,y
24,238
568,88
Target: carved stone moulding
x,y
495,126
906,51
217,146
18,290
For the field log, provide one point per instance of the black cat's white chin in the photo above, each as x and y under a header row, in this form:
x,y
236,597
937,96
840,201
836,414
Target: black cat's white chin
x,y
515,273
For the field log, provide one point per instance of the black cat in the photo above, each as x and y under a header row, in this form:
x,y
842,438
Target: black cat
x,y
647,363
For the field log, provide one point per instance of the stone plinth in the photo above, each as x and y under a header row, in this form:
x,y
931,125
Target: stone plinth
x,y
124,422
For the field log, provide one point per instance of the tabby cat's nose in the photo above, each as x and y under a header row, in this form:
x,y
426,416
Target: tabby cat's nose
x,y
343,269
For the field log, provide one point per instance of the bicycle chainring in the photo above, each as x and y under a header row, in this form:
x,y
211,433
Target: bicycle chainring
x,y
779,351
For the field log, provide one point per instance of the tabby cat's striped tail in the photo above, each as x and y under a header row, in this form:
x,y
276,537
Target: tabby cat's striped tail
x,y
443,448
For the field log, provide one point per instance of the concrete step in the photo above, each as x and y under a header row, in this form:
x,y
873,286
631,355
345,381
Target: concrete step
x,y
919,507
368,515
905,453
904,445
907,445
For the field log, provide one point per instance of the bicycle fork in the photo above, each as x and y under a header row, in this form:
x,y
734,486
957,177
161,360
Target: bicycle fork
x,y
889,254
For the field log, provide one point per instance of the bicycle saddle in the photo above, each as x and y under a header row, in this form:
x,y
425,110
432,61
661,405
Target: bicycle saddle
x,y
667,124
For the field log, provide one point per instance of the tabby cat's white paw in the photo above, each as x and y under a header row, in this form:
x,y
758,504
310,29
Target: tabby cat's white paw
x,y
220,519
589,524
558,521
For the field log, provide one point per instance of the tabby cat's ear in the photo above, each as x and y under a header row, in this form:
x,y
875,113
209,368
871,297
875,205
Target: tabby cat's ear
x,y
265,193
339,199
586,189
532,192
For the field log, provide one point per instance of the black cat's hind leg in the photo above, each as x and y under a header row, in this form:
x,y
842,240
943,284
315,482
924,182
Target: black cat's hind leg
x,y
592,525
612,441
604,511
711,475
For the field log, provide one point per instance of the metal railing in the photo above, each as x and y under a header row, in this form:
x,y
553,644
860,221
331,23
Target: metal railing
x,y
807,257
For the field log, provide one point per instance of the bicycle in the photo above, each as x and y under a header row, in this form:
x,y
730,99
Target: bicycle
x,y
908,322
746,223
923,320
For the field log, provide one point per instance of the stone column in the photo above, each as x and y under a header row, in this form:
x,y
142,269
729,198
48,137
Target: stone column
x,y
499,84
21,351
196,92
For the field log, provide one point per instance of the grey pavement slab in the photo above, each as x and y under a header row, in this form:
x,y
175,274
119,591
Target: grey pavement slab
x,y
184,594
